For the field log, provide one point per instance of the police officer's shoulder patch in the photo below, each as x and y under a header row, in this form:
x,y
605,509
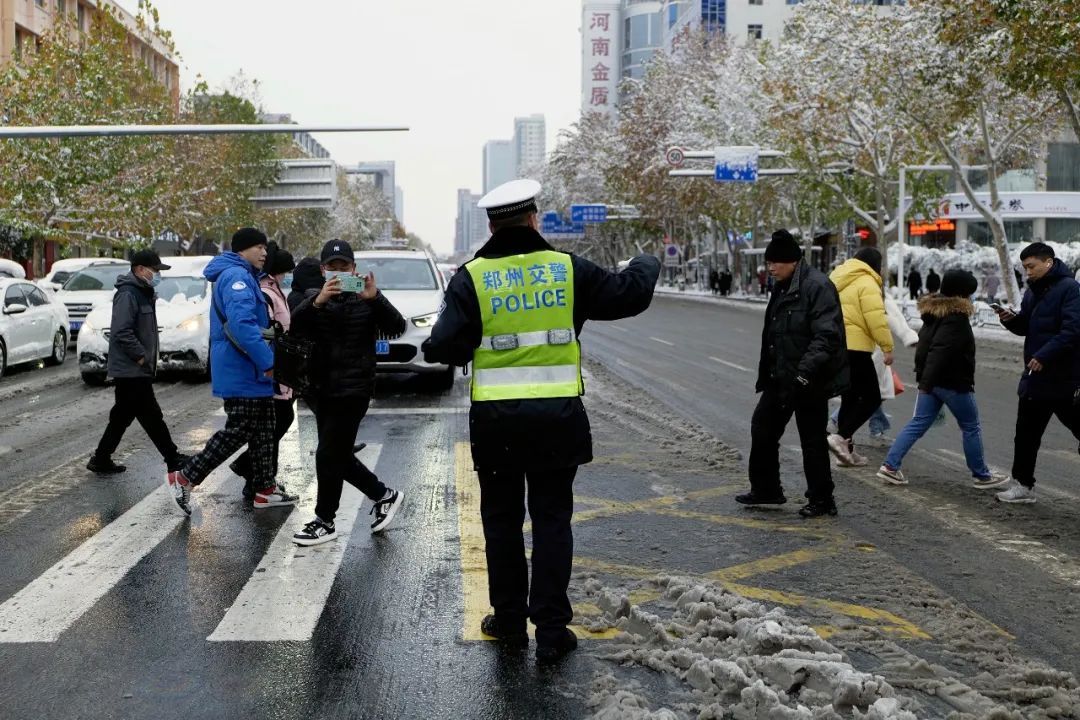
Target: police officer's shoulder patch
x,y
239,285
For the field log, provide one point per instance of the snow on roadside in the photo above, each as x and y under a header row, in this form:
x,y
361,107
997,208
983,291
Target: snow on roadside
x,y
735,658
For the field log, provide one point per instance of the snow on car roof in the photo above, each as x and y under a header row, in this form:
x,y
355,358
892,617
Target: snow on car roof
x,y
12,268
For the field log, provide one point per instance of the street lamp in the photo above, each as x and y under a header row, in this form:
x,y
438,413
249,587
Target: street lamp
x,y
901,223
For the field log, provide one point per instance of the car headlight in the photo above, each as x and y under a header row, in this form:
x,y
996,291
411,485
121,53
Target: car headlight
x,y
425,320
191,324
88,327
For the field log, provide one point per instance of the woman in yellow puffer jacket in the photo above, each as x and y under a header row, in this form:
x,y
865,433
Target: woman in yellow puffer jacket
x,y
859,282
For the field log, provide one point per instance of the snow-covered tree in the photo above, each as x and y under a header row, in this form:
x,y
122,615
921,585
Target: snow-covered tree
x,y
832,82
977,117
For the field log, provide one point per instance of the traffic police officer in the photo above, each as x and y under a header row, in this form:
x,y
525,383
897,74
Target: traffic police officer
x,y
515,311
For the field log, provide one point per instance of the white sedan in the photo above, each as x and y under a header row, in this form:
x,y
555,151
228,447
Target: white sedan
x,y
183,313
32,326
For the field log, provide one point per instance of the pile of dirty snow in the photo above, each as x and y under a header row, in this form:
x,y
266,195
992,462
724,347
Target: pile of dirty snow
x,y
736,659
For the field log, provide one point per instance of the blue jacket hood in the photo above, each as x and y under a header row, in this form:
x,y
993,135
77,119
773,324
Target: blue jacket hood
x,y
225,261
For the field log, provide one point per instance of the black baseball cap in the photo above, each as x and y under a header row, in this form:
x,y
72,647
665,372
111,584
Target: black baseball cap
x,y
150,259
337,250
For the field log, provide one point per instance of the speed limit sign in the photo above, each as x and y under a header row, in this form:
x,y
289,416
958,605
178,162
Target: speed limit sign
x,y
676,156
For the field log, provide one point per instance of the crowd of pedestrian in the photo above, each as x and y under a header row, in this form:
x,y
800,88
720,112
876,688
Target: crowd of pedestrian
x,y
829,337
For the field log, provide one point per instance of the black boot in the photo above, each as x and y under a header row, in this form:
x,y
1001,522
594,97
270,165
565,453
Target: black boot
x,y
754,498
817,508
511,634
104,466
552,650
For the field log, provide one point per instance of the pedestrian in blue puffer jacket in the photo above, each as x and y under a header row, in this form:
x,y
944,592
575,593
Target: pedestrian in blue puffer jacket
x,y
242,367
1049,320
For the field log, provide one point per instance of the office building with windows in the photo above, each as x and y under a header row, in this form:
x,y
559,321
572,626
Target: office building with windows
x,y
500,165
530,144
24,22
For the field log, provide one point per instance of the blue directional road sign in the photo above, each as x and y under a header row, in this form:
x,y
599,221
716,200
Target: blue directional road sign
x,y
553,224
588,213
737,164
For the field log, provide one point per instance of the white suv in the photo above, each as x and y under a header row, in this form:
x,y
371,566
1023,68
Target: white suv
x,y
411,281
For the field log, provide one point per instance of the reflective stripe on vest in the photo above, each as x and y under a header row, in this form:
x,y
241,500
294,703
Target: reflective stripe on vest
x,y
526,307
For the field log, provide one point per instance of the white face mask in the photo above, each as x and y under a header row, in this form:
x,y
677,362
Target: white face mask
x,y
155,279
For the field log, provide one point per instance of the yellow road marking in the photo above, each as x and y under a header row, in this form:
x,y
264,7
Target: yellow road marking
x,y
885,620
772,563
474,582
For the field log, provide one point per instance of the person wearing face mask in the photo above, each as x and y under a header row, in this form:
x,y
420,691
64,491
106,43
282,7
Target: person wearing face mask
x,y
132,364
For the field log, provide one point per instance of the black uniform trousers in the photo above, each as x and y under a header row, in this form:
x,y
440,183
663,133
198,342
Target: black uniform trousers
x,y
767,427
283,420
135,400
1032,417
863,398
502,509
338,421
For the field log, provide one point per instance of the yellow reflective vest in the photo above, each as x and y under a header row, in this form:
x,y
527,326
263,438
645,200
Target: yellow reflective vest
x,y
529,349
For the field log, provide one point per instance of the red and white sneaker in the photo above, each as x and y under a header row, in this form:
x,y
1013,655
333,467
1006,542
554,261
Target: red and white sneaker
x,y
273,496
179,489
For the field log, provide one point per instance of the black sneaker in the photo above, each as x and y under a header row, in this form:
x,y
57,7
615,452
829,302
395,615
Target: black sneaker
x,y
552,651
315,532
358,447
104,466
817,508
511,634
385,509
753,499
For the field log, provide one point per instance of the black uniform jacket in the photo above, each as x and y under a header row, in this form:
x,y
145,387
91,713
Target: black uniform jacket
x,y
945,356
804,337
534,434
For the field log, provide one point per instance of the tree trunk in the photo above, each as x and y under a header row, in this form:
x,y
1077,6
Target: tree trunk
x,y
879,230
1071,110
37,262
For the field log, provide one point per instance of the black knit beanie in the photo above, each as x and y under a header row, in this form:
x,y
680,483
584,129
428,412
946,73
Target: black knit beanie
x,y
277,260
245,238
783,248
958,283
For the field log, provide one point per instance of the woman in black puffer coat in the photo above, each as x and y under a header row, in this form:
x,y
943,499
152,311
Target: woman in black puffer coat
x,y
945,371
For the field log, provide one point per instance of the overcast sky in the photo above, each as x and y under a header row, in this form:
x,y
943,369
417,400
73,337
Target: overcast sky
x,y
456,72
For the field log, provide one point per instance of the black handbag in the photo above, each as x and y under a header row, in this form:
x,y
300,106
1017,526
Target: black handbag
x,y
294,363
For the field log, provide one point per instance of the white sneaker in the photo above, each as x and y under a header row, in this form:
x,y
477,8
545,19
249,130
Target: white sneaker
x,y
832,428
893,477
838,446
993,482
1017,494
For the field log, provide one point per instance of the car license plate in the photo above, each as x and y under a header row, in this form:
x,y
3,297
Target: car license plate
x,y
382,347
75,325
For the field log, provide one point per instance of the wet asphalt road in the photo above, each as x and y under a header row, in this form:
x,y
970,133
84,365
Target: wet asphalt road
x,y
1016,566
937,571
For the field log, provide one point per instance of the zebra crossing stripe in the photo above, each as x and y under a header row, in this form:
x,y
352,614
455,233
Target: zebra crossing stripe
x,y
44,609
286,594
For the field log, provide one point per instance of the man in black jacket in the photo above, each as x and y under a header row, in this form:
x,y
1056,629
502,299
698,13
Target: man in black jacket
x,y
1049,320
132,364
344,326
527,422
803,364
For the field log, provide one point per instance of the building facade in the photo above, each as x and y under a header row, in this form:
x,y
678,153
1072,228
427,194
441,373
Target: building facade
x,y
24,22
471,228
530,144
500,164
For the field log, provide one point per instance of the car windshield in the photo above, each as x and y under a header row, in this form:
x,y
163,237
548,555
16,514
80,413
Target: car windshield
x,y
182,289
399,273
99,277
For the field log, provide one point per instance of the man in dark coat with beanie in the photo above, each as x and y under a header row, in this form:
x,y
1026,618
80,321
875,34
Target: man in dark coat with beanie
x,y
242,369
803,364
